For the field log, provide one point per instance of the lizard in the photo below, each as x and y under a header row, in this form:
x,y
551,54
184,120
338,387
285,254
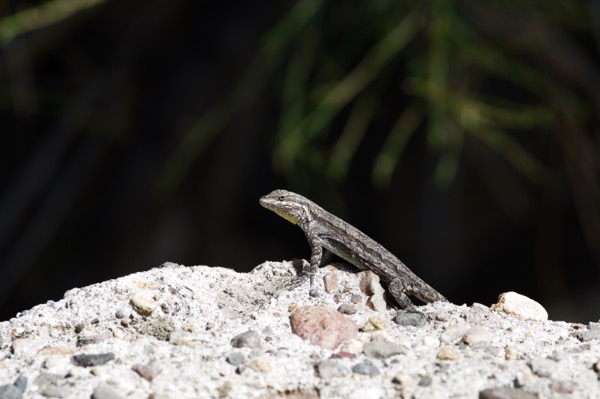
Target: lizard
x,y
327,234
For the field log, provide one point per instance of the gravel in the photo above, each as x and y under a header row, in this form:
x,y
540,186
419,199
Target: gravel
x,y
168,332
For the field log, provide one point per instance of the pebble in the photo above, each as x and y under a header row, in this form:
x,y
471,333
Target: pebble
x,y
143,303
343,355
160,328
477,334
542,367
104,391
453,334
366,367
410,318
373,324
322,326
382,349
355,298
93,339
425,381
520,306
248,339
370,284
147,371
346,308
89,360
448,353
260,364
505,393
9,391
330,282
406,385
235,358
563,386
21,383
588,335
51,385
122,313
331,369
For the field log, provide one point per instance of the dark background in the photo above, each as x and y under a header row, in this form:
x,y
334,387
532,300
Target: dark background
x,y
461,136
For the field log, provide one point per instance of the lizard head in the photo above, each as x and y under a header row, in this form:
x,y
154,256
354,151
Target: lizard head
x,y
290,206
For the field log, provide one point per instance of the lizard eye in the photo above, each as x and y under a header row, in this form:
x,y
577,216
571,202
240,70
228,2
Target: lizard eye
x,y
281,198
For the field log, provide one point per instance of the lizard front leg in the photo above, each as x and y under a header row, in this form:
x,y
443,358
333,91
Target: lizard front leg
x,y
316,254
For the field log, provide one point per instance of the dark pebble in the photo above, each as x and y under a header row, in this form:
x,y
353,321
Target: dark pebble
x,y
249,339
366,368
505,393
235,358
408,318
87,360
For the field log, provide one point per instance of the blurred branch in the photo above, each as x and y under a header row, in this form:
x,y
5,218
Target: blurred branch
x,y
39,17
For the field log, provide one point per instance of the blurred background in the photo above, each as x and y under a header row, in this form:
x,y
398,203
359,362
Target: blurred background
x,y
461,135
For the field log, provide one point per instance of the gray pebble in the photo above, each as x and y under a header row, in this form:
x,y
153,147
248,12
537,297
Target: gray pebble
x,y
382,349
122,313
505,393
21,383
346,308
235,358
409,318
355,298
9,391
330,369
592,325
89,360
103,391
425,381
248,339
366,368
588,335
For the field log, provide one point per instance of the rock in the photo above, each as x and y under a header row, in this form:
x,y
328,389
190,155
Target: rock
x,y
370,285
159,328
143,303
331,369
235,358
330,281
248,339
477,334
520,307
382,349
448,353
89,360
366,368
410,318
355,298
373,324
104,391
147,371
322,326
